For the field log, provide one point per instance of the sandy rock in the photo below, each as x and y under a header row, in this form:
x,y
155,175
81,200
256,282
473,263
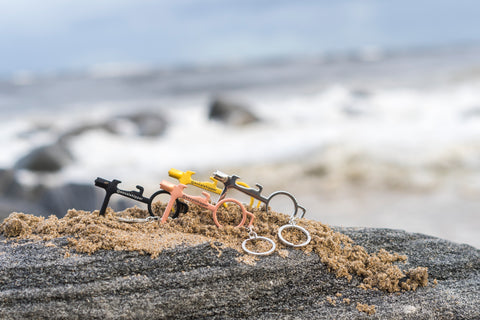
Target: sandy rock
x,y
44,281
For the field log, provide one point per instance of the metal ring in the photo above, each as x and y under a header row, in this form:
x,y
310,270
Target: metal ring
x,y
294,227
138,220
244,246
282,193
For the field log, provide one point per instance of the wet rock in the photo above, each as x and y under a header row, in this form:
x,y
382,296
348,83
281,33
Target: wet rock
x,y
9,186
49,158
9,205
471,113
360,93
12,195
149,124
44,200
231,112
352,111
40,282
35,129
109,127
59,199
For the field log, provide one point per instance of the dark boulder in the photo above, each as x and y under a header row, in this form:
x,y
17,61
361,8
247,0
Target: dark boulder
x,y
43,282
9,205
12,195
60,199
149,124
9,186
471,113
49,158
47,200
109,126
231,112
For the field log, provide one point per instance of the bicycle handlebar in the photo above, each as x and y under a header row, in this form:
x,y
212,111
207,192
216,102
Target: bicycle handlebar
x,y
104,183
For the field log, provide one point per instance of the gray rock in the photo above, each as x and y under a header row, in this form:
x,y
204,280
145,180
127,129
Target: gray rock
x,y
198,283
471,113
9,186
9,205
45,201
149,124
108,126
60,199
352,111
35,129
49,158
231,112
360,93
12,195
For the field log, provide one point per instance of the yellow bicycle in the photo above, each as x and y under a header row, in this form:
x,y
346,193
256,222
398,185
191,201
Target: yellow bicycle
x,y
186,178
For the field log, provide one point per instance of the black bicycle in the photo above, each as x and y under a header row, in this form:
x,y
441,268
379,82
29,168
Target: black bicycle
x,y
111,187
230,182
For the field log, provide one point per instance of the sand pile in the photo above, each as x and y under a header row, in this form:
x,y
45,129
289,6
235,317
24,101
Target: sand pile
x,y
89,232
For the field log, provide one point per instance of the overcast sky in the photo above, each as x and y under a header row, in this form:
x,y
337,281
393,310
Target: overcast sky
x,y
59,35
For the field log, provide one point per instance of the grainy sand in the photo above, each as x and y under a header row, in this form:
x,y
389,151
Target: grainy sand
x,y
89,232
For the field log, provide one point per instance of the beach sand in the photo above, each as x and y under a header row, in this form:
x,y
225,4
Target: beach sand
x,y
89,232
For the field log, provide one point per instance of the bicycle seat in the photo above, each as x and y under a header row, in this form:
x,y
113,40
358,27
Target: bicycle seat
x,y
167,186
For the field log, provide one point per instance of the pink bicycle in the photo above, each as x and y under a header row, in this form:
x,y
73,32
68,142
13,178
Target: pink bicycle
x,y
176,191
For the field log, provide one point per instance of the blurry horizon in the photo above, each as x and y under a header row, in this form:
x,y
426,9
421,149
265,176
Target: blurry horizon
x,y
60,36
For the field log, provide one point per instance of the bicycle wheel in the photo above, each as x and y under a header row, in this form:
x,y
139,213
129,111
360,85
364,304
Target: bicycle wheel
x,y
232,214
158,203
282,202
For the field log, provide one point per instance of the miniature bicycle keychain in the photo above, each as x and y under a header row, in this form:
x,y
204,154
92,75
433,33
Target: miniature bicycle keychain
x,y
186,178
111,187
231,182
176,191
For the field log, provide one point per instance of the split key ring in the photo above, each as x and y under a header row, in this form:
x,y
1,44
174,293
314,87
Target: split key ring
x,y
292,225
253,236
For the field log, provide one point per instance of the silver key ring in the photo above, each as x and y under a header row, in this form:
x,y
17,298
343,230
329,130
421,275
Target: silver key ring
x,y
138,220
255,237
294,226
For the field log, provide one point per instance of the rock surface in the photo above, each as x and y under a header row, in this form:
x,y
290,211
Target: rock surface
x,y
231,112
149,124
49,158
39,281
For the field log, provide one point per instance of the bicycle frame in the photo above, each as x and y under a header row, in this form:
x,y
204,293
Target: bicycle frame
x,y
111,187
176,191
230,182
186,178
